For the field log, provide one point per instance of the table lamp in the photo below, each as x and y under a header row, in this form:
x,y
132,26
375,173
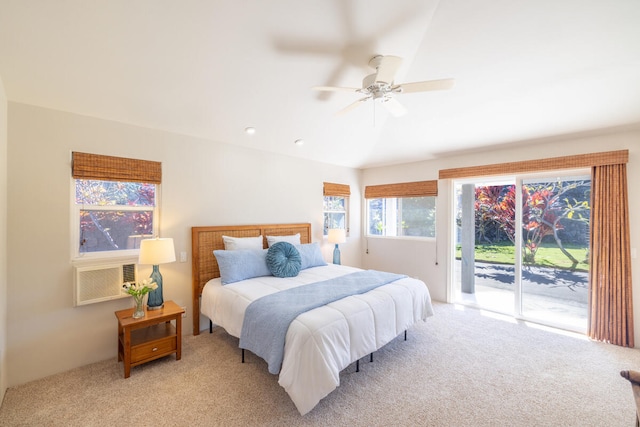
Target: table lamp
x,y
337,236
155,252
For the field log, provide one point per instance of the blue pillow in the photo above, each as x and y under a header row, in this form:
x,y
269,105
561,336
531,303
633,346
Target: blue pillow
x,y
241,264
283,260
311,255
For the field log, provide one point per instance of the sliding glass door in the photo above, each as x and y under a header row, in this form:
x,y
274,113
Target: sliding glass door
x,y
485,263
555,250
522,247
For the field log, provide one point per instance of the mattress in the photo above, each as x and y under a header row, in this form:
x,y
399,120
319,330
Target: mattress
x,y
322,342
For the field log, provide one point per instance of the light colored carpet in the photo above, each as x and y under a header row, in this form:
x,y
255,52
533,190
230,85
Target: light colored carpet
x,y
459,368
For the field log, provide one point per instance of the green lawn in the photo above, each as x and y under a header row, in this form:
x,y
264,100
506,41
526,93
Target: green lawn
x,y
548,255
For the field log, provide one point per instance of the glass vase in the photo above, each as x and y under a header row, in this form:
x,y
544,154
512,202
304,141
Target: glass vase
x,y
138,311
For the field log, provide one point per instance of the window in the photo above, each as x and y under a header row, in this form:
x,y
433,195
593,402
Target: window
x,y
336,206
115,205
335,212
113,215
410,216
405,209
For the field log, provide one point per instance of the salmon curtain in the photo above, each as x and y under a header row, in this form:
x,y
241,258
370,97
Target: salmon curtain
x,y
610,302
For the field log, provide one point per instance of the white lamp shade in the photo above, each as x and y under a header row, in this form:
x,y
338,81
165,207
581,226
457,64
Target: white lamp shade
x,y
156,251
337,235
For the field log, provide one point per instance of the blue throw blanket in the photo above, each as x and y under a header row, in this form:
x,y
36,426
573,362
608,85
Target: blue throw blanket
x,y
267,319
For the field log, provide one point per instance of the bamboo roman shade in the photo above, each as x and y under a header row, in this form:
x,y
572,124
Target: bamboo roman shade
x,y
341,190
540,165
404,189
108,168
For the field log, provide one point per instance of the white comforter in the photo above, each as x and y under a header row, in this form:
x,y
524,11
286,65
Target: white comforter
x,y
322,342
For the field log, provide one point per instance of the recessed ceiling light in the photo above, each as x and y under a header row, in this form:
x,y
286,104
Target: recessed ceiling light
x,y
250,130
299,141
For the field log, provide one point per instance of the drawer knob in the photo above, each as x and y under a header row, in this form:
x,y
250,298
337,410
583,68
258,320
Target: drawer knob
x,y
154,349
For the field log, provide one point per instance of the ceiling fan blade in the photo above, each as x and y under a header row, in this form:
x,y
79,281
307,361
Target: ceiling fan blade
x,y
352,106
335,89
424,86
394,107
387,68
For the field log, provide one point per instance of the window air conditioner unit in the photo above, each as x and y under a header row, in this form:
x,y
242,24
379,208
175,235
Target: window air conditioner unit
x,y
97,283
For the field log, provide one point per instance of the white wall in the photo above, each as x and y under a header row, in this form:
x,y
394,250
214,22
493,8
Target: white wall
x,y
418,258
204,183
3,241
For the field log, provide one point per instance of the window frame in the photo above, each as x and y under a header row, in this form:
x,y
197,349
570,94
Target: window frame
x,y
125,254
343,191
87,166
399,191
325,228
394,214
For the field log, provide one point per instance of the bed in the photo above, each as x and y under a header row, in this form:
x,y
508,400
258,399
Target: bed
x,y
321,342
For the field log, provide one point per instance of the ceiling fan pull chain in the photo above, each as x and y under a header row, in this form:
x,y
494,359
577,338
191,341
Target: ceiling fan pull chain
x,y
374,114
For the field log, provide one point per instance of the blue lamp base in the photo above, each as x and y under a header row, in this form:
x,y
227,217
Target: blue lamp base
x,y
155,301
336,255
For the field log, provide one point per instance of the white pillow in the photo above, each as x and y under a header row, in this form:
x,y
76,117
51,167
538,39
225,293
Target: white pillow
x,y
235,243
293,239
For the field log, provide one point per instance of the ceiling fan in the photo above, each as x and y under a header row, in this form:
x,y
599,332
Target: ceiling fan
x,y
380,86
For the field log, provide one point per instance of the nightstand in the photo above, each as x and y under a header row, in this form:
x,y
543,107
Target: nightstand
x,y
150,337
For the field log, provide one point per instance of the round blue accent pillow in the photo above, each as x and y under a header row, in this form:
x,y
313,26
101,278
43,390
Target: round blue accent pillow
x,y
283,260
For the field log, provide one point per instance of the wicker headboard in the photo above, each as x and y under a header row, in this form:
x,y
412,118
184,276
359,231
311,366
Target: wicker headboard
x,y
204,240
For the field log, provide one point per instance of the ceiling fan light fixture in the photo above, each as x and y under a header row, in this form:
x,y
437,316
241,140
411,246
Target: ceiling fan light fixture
x,y
381,87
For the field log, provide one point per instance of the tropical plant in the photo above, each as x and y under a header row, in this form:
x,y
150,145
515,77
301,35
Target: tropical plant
x,y
111,211
545,207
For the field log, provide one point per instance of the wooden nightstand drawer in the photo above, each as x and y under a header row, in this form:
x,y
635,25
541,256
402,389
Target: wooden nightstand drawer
x,y
153,349
153,342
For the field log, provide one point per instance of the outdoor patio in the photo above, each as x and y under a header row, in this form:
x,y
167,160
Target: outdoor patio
x,y
551,296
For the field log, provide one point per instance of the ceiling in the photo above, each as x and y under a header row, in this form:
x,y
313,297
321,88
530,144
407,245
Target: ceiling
x,y
209,68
